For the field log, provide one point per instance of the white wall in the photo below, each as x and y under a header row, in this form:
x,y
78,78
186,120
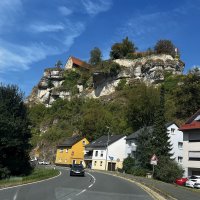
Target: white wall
x,y
117,150
176,136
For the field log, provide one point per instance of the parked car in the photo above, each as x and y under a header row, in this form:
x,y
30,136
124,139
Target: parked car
x,y
77,170
192,180
181,181
197,184
44,162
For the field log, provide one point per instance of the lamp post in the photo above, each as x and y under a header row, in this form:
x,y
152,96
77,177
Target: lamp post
x,y
107,147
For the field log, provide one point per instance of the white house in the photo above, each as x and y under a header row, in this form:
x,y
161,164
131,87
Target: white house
x,y
175,137
191,145
106,153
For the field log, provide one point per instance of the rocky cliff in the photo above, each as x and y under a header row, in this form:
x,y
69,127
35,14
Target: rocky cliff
x,y
149,69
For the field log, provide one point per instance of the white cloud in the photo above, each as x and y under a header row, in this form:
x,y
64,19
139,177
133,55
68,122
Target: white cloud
x,y
16,57
94,7
41,27
65,11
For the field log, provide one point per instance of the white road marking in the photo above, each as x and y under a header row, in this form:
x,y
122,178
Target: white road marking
x,y
30,183
81,192
15,196
93,181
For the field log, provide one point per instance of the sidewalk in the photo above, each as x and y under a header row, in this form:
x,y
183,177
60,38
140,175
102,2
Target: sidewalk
x,y
165,189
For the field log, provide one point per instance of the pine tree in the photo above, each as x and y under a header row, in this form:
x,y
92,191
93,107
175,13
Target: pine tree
x,y
144,147
160,139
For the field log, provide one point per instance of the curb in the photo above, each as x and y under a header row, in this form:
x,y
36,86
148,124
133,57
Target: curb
x,y
155,193
30,183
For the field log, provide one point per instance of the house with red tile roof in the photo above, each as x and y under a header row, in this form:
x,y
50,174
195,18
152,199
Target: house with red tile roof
x,y
191,145
73,62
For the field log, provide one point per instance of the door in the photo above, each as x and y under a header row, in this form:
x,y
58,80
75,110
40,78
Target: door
x,y
111,166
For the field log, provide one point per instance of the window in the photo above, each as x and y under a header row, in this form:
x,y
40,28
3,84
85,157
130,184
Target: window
x,y
101,163
74,162
95,163
81,162
180,145
180,159
172,130
96,153
66,150
61,150
194,155
101,153
83,142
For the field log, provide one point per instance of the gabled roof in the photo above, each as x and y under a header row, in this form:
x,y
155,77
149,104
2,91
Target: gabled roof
x,y
69,142
135,134
79,62
170,123
102,141
192,123
148,128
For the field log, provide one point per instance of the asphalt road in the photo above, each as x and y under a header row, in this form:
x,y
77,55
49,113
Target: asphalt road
x,y
94,186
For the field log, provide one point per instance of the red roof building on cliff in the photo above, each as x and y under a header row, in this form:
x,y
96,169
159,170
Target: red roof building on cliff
x,y
73,62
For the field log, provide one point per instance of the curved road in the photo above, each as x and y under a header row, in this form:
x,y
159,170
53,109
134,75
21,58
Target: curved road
x,y
94,186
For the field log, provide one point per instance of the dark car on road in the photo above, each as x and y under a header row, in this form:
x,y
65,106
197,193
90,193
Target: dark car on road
x,y
77,170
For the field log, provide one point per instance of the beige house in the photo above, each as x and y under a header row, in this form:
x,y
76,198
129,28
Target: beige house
x,y
106,153
191,145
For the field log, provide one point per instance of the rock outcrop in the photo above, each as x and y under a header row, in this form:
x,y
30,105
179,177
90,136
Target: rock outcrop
x,y
149,69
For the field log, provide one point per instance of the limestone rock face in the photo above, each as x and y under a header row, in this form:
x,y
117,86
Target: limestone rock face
x,y
149,69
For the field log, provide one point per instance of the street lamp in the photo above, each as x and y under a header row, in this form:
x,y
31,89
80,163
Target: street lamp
x,y
107,147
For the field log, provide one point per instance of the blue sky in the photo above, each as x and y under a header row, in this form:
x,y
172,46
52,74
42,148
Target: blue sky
x,y
34,34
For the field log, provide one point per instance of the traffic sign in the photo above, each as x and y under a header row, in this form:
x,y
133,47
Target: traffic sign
x,y
111,158
154,160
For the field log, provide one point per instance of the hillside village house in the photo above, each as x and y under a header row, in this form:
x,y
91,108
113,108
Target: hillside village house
x,y
176,140
191,145
71,151
106,153
73,63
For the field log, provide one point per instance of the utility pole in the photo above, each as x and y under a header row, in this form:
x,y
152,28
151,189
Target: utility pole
x,y
107,147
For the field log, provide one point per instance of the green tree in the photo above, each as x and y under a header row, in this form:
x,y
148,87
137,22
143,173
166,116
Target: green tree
x,y
95,56
145,147
160,138
121,50
143,101
14,131
165,47
187,96
128,163
58,64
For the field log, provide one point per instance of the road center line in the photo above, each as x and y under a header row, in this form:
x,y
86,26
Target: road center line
x,y
81,192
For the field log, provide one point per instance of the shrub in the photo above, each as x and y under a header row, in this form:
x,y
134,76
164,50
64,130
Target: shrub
x,y
168,170
121,84
128,164
138,171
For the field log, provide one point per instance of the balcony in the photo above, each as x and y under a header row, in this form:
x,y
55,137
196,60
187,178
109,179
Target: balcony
x,y
87,157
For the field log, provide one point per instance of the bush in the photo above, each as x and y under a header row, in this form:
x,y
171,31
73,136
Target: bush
x,y
128,164
165,47
121,84
138,171
168,170
4,173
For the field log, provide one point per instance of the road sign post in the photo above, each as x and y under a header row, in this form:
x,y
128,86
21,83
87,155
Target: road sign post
x,y
154,161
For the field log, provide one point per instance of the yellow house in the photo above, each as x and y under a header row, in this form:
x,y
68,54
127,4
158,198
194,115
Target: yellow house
x,y
71,151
